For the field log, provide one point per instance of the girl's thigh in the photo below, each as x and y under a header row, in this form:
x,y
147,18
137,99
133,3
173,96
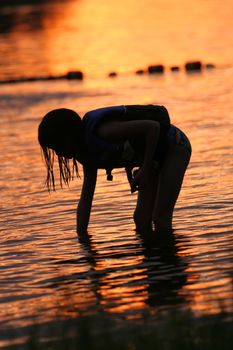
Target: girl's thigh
x,y
170,181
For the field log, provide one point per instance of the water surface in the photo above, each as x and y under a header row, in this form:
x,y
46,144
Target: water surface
x,y
100,36
46,270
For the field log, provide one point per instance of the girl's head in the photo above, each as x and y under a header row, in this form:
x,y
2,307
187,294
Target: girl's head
x,y
61,132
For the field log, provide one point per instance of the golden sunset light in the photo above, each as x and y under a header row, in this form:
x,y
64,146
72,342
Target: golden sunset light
x,y
116,174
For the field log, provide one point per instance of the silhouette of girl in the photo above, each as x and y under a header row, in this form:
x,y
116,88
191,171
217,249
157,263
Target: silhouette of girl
x,y
133,136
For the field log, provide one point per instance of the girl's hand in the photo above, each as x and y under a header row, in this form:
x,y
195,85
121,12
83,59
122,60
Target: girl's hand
x,y
139,179
149,130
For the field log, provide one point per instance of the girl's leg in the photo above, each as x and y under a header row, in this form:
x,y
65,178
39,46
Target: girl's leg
x,y
170,182
145,204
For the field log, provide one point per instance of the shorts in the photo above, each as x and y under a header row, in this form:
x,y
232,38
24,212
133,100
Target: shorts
x,y
176,136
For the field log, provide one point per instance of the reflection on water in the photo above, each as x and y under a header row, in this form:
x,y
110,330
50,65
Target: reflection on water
x,y
166,274
46,271
96,37
156,276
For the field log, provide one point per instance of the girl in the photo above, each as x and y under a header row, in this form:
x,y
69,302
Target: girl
x,y
114,137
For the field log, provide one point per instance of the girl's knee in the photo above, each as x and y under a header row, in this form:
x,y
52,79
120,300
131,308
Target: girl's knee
x,y
142,221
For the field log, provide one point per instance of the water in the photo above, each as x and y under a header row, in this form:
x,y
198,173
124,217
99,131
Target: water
x,y
101,36
46,270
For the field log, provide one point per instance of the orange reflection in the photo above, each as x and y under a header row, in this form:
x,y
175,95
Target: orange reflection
x,y
101,36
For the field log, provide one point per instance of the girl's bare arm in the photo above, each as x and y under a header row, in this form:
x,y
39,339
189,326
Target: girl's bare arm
x,y
85,202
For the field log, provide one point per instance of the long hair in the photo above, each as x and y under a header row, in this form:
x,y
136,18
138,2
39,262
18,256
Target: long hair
x,y
54,129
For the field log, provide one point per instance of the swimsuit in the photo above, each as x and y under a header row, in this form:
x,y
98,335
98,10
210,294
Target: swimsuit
x,y
103,154
176,136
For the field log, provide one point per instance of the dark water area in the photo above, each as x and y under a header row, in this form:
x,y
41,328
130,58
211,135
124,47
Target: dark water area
x,y
25,2
28,19
9,20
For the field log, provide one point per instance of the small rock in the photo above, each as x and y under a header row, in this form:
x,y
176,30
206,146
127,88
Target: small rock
x,y
210,66
156,69
140,71
74,75
112,74
175,68
193,66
